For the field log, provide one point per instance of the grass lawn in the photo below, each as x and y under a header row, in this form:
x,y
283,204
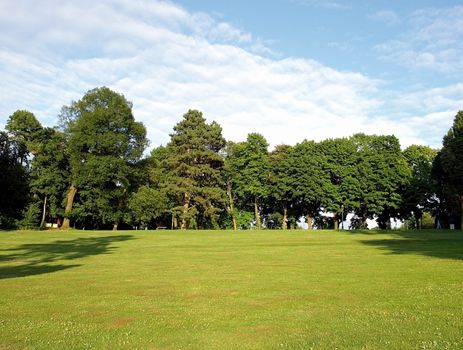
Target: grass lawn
x,y
226,290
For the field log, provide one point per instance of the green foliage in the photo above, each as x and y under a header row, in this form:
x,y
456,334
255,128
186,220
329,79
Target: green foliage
x,y
252,168
274,221
419,195
50,170
93,164
249,169
14,193
342,192
280,197
425,222
105,144
195,170
45,157
383,174
148,204
448,171
158,167
24,128
309,181
30,216
245,219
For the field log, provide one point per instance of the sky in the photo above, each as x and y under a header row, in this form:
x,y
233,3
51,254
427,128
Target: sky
x,y
288,69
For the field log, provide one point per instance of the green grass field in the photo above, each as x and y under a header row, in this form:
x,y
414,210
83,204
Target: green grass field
x,y
226,290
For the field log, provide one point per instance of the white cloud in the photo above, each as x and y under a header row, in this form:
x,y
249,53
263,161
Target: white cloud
x,y
167,60
433,42
428,115
329,4
385,16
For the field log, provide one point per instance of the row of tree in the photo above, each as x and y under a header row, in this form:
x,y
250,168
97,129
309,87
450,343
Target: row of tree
x,y
89,172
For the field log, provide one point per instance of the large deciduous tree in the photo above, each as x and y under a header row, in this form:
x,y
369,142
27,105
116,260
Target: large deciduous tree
x,y
24,128
250,170
309,178
280,193
341,195
195,164
47,164
383,173
448,169
150,204
105,143
14,193
50,172
419,194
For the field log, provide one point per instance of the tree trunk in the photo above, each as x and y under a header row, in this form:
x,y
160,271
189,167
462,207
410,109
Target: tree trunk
x,y
417,221
381,224
461,212
186,204
175,220
44,211
309,219
69,202
336,221
256,214
232,206
115,226
388,224
364,223
284,226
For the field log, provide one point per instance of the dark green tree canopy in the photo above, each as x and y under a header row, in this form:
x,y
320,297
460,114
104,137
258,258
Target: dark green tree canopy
x,y
93,163
248,164
307,168
421,190
14,193
24,127
342,191
105,143
251,167
102,124
383,173
448,170
195,163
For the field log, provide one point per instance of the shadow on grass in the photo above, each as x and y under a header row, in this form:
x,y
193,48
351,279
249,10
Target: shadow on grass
x,y
36,259
443,244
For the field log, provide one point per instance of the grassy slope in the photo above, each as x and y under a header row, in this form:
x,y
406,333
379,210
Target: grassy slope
x,y
225,290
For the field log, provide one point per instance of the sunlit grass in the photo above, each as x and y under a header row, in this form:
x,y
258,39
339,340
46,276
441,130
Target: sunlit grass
x,y
227,290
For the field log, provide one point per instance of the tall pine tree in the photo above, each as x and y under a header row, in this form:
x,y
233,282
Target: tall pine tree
x,y
195,162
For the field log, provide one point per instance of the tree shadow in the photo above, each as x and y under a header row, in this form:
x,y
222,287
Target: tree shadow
x,y
35,259
444,244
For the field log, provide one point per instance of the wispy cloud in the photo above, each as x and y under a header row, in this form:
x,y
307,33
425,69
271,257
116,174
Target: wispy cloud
x,y
167,60
328,4
423,114
434,41
387,17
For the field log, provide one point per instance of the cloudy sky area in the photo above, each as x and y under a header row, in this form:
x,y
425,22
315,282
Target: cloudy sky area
x,y
289,69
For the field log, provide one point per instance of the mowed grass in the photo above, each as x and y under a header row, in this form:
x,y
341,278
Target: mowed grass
x,y
231,290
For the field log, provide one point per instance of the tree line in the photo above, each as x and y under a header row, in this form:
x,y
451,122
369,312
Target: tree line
x,y
90,172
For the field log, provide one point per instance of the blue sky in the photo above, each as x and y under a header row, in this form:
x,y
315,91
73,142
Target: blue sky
x,y
341,34
289,69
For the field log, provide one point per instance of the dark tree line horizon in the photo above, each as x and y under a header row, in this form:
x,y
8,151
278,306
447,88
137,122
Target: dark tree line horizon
x,y
89,172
